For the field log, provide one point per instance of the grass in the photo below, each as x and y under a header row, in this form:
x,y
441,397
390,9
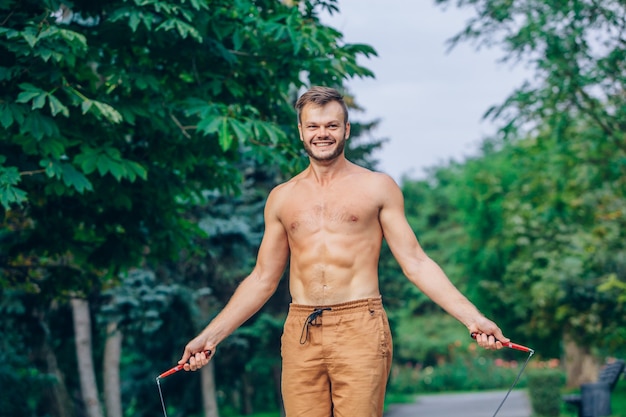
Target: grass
x,y
394,398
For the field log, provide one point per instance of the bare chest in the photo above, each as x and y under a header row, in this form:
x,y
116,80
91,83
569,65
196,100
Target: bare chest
x,y
341,211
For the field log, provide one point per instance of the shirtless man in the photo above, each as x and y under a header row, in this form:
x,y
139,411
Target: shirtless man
x,y
329,222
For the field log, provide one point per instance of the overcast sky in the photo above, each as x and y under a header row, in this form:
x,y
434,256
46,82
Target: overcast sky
x,y
430,101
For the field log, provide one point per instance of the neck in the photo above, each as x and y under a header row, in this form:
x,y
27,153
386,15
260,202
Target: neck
x,y
323,172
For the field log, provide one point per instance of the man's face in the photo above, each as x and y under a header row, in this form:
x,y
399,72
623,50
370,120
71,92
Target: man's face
x,y
323,131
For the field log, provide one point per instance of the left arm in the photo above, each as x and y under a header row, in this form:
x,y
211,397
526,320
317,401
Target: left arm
x,y
425,274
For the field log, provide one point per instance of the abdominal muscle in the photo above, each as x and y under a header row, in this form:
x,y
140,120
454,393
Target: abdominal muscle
x,y
328,268
334,235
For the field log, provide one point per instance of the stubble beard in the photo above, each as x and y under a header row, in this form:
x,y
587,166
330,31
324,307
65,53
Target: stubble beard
x,y
325,157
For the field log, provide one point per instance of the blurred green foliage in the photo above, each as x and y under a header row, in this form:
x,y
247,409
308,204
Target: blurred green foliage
x,y
544,391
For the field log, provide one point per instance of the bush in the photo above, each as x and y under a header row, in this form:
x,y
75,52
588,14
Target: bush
x,y
463,374
544,390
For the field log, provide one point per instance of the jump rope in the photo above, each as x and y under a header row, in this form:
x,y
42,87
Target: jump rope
x,y
169,372
515,346
510,345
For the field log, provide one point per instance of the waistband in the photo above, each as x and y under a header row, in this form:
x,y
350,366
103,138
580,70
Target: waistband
x,y
365,304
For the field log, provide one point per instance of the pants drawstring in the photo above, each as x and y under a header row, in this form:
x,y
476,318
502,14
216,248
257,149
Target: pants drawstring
x,y
309,320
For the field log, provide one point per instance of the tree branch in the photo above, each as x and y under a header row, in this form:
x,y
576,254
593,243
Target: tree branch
x,y
182,128
37,171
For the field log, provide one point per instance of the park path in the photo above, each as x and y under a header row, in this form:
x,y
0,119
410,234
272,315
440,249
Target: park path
x,y
475,404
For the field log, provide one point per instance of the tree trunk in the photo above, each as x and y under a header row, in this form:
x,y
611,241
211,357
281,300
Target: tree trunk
x,y
276,373
112,355
209,400
82,336
60,400
247,390
580,365
207,375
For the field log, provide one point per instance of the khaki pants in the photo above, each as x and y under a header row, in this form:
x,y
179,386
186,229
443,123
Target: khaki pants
x,y
336,359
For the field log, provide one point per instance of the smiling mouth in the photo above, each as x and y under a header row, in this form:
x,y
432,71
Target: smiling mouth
x,y
322,144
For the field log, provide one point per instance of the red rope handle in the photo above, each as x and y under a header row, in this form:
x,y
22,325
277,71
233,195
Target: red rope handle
x,y
178,367
510,345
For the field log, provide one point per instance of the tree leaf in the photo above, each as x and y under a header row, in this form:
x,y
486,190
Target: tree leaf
x,y
108,112
57,107
225,139
87,160
39,126
75,179
10,195
211,124
6,116
39,101
241,129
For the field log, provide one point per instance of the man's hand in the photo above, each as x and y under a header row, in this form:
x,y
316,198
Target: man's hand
x,y
197,354
487,334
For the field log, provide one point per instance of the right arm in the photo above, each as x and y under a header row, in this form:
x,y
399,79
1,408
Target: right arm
x,y
251,294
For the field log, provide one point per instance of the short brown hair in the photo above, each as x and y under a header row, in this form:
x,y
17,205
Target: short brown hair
x,y
320,96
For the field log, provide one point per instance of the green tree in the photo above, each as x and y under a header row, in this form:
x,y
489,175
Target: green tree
x,y
574,51
170,93
119,115
533,231
561,220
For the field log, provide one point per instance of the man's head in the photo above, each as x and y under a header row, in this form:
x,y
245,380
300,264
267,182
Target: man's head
x,y
323,123
320,96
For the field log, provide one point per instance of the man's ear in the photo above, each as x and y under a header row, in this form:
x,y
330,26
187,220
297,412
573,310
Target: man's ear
x,y
347,134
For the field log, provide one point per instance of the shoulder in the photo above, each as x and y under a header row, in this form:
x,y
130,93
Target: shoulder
x,y
378,187
380,180
386,191
384,179
282,193
285,188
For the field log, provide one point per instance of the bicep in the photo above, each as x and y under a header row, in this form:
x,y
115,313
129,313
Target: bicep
x,y
396,229
274,249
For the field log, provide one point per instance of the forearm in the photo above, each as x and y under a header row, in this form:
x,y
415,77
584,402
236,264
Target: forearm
x,y
433,282
249,297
